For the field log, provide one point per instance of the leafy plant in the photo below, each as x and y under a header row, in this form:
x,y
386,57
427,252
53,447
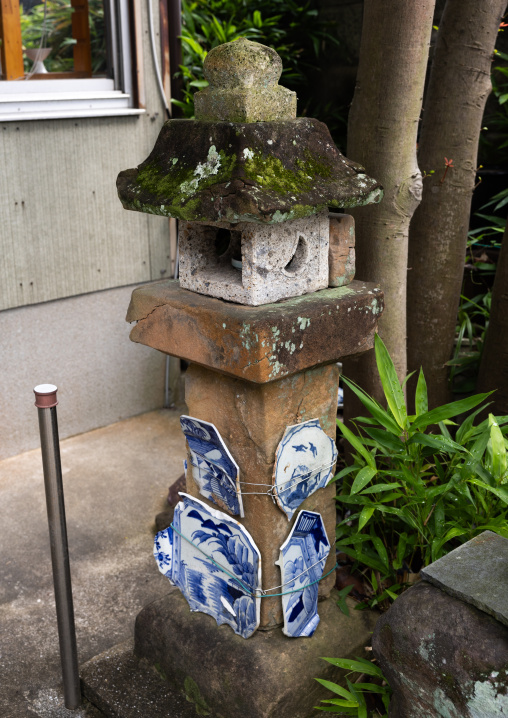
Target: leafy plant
x,y
472,324
411,496
293,29
494,139
355,700
474,312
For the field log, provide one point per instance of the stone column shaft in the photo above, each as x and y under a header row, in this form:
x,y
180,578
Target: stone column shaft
x,y
251,419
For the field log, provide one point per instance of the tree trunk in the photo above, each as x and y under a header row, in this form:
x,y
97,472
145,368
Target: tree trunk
x,y
458,88
493,372
382,131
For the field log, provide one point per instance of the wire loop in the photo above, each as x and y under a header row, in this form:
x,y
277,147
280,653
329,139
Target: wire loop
x,y
262,592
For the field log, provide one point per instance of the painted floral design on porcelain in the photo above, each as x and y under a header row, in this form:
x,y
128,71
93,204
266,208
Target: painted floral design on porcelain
x,y
215,563
304,463
302,559
213,468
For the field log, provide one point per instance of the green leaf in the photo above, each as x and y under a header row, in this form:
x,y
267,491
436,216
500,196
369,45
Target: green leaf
x,y
198,83
421,400
370,687
501,492
360,665
401,551
390,382
339,690
365,516
448,410
379,488
361,557
463,431
436,442
386,440
496,449
195,46
356,443
377,411
341,603
345,472
380,548
363,477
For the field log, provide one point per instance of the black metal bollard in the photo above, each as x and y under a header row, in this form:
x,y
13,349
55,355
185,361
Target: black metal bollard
x,y
46,401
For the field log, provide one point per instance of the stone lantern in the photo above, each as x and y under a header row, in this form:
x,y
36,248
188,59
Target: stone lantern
x,y
265,307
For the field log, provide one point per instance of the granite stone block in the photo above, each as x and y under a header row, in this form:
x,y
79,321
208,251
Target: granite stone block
x,y
259,344
476,572
341,258
252,419
268,676
277,261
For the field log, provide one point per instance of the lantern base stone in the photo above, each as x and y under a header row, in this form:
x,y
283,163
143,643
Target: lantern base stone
x,y
266,676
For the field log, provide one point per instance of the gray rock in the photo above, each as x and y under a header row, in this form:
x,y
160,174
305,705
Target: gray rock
x,y
443,658
476,572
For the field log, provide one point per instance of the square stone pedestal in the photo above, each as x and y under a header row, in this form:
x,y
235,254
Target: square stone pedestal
x,y
266,676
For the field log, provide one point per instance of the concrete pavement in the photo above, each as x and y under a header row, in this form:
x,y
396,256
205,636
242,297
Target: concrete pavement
x,y
115,481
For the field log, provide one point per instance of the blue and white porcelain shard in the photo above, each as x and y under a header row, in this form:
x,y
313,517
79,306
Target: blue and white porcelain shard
x,y
302,560
213,468
304,462
214,562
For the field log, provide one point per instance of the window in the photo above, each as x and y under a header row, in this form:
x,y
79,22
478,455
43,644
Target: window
x,y
65,58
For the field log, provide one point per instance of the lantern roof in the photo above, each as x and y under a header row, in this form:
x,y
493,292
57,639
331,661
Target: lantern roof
x,y
246,158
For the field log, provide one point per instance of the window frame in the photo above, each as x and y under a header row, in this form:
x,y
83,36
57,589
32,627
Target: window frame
x,y
73,97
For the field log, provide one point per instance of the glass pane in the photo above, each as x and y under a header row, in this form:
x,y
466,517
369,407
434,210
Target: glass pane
x,y
46,33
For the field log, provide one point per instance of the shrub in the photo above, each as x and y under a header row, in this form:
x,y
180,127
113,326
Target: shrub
x,y
411,496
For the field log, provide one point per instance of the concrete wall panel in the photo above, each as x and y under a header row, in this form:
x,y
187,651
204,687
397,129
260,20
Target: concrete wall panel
x,y
82,345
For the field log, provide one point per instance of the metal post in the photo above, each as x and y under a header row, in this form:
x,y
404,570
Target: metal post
x,y
46,401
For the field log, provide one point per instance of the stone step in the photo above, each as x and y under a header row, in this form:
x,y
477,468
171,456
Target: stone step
x,y
121,686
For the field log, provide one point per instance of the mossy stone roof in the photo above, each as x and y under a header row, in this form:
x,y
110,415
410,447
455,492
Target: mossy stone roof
x,y
245,172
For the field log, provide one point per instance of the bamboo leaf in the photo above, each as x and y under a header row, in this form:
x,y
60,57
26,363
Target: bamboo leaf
x,y
501,492
448,410
497,450
356,443
436,442
363,477
380,488
339,690
421,400
390,382
360,665
365,516
377,411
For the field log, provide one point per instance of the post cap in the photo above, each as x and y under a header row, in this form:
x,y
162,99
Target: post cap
x,y
45,396
243,77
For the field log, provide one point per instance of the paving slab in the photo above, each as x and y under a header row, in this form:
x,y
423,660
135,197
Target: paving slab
x,y
476,572
259,344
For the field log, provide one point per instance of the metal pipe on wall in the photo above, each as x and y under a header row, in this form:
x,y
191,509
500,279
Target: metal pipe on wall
x,y
46,401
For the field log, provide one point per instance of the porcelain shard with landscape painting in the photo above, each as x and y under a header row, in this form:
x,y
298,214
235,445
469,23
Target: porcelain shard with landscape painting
x,y
213,468
302,560
304,463
215,563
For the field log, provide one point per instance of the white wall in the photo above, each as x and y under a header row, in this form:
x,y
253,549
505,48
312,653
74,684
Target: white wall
x,y
82,345
65,236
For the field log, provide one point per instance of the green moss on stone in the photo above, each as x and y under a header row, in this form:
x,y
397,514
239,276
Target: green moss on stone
x,y
269,172
193,695
172,190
